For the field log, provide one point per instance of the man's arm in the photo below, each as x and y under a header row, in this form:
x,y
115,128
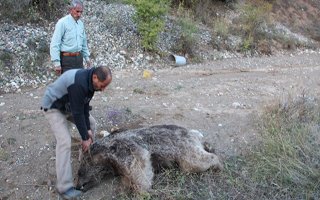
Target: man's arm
x,y
55,45
85,49
77,104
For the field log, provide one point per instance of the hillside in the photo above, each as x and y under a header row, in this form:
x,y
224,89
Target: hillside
x,y
114,39
223,92
300,16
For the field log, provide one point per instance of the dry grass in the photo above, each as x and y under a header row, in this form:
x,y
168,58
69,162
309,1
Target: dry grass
x,y
287,160
284,165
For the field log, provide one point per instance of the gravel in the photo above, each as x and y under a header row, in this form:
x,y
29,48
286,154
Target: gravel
x,y
113,40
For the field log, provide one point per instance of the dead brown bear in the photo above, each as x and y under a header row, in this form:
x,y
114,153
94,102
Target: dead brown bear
x,y
136,154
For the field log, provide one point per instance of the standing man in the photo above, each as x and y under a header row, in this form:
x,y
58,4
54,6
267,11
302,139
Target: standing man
x,y
68,45
67,99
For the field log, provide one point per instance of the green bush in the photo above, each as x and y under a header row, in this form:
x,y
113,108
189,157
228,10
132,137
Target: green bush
x,y
186,42
221,27
247,43
150,20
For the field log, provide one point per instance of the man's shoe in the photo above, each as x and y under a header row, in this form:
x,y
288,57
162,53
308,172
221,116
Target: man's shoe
x,y
71,193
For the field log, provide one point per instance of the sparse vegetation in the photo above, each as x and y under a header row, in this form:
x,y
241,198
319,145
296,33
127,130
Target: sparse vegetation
x,y
287,160
150,17
150,20
253,14
187,42
6,60
34,62
138,91
3,155
284,164
221,27
32,10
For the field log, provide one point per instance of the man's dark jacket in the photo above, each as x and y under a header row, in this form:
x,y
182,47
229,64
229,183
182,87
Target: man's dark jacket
x,y
72,92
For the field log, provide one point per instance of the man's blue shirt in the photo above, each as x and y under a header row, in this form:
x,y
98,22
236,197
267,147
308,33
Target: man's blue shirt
x,y
69,36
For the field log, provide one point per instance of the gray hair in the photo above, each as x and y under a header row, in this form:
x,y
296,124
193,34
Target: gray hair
x,y
74,3
102,72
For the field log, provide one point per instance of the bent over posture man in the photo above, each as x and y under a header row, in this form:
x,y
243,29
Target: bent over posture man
x,y
68,45
67,99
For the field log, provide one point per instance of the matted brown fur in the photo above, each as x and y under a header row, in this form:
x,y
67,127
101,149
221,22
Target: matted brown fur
x,y
137,154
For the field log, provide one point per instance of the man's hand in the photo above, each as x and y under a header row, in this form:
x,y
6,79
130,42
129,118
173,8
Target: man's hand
x,y
58,70
86,144
88,64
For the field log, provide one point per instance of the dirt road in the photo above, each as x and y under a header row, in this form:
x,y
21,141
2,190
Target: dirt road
x,y
222,99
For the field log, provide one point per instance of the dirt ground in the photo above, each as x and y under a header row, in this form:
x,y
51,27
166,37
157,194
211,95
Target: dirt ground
x,y
222,99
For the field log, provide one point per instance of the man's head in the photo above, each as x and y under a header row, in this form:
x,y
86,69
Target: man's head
x,y
101,78
76,9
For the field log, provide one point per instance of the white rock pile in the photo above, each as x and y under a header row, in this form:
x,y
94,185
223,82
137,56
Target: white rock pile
x,y
113,40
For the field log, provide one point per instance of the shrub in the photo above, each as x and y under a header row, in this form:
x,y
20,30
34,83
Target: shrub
x,y
247,43
221,27
187,40
253,14
150,20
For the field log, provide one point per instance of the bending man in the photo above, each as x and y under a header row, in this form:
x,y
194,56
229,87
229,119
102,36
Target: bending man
x,y
67,99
